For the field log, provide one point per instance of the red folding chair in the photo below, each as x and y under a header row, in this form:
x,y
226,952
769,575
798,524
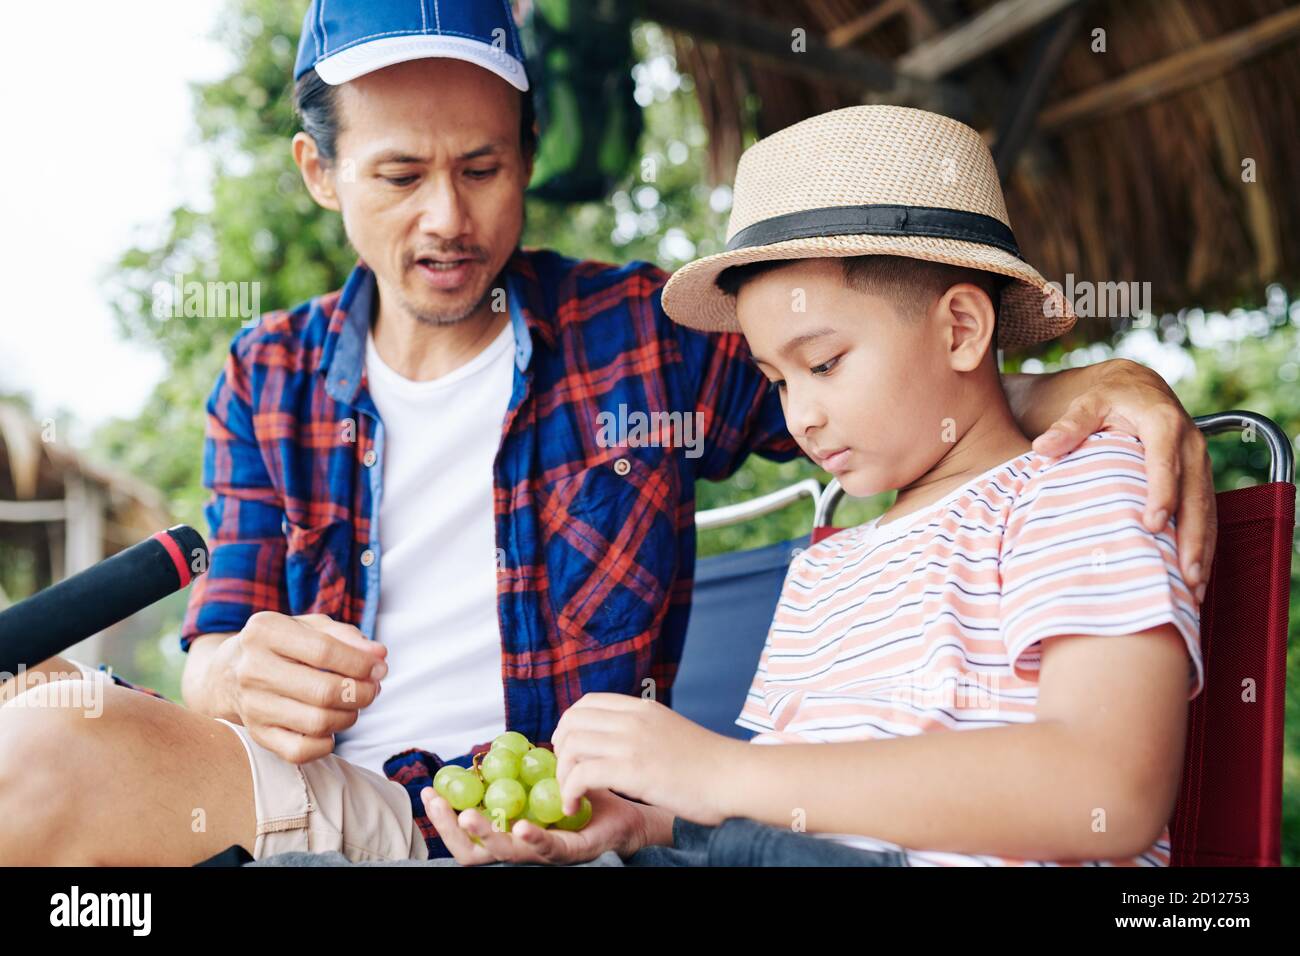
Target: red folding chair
x,y
1229,809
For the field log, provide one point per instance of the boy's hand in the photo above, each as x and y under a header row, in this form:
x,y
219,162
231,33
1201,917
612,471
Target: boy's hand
x,y
616,824
643,750
1180,481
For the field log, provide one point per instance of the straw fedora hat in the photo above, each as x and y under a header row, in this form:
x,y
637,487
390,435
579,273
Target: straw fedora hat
x,y
872,180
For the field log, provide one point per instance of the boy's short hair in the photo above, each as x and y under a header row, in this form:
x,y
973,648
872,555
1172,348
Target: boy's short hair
x,y
911,284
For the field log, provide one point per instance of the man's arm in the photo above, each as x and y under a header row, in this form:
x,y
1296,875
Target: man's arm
x,y
245,512
206,679
1090,779
1038,400
292,681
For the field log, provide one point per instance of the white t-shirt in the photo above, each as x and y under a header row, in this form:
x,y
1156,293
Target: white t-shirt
x,y
437,545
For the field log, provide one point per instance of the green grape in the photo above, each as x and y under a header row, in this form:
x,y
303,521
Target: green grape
x,y
537,764
443,777
507,796
576,821
498,820
544,800
528,815
501,763
512,740
464,791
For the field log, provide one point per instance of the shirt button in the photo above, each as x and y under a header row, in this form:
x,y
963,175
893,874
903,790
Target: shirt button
x,y
370,458
622,467
367,557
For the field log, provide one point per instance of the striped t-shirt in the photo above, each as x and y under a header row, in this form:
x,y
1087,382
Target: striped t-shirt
x,y
932,621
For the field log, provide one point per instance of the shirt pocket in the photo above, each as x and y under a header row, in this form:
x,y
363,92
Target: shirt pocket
x,y
610,543
313,566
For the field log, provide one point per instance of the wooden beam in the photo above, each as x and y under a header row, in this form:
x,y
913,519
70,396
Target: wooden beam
x,y
1018,120
772,44
987,83
1175,72
925,18
936,15
861,25
30,512
977,37
83,547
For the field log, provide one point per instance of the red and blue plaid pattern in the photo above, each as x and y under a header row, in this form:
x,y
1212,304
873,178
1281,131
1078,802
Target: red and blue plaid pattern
x,y
598,540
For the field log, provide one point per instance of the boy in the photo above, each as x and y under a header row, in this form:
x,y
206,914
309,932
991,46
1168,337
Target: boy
x,y
996,670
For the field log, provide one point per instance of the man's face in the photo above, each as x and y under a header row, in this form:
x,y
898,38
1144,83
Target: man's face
x,y
430,180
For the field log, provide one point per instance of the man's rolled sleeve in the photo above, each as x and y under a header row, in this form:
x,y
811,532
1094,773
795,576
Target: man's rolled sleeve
x,y
245,514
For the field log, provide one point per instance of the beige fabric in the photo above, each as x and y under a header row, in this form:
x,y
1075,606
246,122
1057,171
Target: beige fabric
x,y
328,805
870,155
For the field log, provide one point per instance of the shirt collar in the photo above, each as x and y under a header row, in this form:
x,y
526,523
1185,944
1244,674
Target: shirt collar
x,y
343,353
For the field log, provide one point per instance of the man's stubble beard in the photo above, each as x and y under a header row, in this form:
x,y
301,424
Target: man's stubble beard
x,y
432,319
444,318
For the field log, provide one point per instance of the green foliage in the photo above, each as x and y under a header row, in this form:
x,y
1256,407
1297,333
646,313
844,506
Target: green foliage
x,y
263,227
1260,374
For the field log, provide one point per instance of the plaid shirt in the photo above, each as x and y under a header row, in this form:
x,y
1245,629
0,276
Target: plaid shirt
x,y
598,540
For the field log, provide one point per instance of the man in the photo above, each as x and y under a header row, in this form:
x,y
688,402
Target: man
x,y
438,419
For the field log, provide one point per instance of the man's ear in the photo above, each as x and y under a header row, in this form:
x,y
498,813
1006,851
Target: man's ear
x,y
316,174
969,314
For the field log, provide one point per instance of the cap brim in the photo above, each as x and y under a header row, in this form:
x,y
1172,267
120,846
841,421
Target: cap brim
x,y
363,58
1032,310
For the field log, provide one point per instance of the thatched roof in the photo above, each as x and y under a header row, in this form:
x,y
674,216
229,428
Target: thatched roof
x,y
38,472
1123,165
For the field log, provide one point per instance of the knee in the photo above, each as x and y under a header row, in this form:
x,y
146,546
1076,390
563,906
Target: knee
x,y
43,752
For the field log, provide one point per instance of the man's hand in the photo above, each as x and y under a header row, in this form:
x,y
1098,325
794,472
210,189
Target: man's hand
x,y
1126,396
296,681
616,824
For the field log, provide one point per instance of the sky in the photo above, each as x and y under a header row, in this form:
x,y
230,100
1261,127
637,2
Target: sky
x,y
97,144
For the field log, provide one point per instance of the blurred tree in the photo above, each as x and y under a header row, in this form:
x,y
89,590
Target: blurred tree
x,y
579,59
262,227
1260,373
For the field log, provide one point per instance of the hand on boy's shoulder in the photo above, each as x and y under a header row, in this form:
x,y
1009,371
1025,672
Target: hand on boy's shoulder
x,y
1106,464
1107,439
1076,533
1179,477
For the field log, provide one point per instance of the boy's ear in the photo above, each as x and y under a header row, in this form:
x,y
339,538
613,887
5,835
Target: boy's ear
x,y
317,175
970,319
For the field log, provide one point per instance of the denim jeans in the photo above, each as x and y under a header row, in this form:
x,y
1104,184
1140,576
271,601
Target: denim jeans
x,y
737,841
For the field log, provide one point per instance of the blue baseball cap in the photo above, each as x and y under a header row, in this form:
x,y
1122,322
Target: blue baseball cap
x,y
344,39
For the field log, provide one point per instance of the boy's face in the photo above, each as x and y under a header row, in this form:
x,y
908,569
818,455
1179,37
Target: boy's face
x,y
871,396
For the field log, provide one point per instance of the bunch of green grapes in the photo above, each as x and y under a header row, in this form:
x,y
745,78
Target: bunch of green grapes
x,y
512,781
